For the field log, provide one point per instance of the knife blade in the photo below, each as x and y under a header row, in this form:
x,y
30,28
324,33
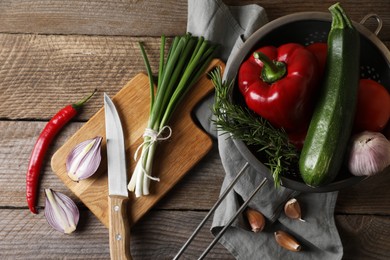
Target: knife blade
x,y
119,230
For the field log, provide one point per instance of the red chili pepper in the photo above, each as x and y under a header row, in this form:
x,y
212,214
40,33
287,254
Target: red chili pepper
x,y
42,144
279,84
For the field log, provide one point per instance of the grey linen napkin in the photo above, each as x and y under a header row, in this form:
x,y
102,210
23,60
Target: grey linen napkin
x,y
230,26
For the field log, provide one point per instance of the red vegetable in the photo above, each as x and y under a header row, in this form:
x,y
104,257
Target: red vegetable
x,y
42,144
373,106
279,84
319,50
297,138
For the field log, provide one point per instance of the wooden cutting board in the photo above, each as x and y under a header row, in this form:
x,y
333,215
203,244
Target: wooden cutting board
x,y
174,158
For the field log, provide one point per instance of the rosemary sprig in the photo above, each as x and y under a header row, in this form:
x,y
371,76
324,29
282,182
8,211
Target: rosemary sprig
x,y
270,143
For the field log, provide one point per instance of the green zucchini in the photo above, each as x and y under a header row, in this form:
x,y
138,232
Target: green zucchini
x,y
332,121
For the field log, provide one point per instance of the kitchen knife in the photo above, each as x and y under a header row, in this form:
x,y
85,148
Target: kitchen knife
x,y
119,230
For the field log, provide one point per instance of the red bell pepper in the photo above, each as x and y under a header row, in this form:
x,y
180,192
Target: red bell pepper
x,y
280,85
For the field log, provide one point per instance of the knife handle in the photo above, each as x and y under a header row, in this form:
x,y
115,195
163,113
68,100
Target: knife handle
x,y
119,228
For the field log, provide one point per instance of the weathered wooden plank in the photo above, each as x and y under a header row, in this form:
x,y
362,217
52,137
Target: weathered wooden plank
x,y
364,237
198,190
17,140
157,236
140,18
164,232
27,236
370,193
113,17
39,74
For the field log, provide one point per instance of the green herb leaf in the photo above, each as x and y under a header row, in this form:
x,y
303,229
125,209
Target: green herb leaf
x,y
270,143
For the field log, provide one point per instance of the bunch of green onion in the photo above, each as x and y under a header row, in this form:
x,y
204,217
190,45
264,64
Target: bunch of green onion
x,y
187,59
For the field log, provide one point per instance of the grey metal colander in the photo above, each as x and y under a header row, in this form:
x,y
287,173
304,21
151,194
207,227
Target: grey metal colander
x,y
306,28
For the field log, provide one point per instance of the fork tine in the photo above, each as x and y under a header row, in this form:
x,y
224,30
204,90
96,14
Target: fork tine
x,y
217,203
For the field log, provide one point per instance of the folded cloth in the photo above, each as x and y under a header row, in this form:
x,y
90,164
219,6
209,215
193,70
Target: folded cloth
x,y
230,26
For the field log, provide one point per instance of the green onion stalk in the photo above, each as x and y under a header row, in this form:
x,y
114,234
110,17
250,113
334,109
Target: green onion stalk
x,y
187,59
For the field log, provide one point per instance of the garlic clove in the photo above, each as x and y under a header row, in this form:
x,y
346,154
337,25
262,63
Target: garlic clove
x,y
84,160
292,209
256,219
61,212
369,153
287,241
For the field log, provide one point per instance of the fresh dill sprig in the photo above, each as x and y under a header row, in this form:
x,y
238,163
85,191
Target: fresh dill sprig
x,y
270,143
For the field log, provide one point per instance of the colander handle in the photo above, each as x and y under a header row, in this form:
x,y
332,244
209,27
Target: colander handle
x,y
377,18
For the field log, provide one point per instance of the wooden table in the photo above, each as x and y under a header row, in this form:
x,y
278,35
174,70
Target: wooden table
x,y
54,52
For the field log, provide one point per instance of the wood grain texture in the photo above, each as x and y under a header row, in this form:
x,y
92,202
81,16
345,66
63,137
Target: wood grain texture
x,y
53,53
17,140
124,17
174,158
112,17
360,197
39,74
18,137
156,237
364,237
159,236
119,229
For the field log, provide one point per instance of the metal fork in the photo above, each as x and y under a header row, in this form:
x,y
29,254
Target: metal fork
x,y
215,206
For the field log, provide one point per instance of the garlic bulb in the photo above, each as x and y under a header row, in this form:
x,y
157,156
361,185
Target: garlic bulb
x,y
84,159
370,154
61,212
